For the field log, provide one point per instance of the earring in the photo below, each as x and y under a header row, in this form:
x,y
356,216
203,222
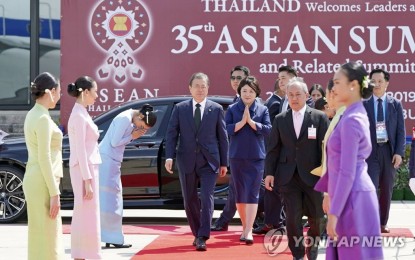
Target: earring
x,y
351,89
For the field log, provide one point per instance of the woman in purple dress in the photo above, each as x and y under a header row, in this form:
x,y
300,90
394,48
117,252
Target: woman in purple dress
x,y
353,214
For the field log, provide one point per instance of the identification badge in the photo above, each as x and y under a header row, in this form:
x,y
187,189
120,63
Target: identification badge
x,y
312,132
381,133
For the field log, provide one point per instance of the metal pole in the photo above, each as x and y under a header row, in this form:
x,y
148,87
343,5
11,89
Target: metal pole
x,y
34,38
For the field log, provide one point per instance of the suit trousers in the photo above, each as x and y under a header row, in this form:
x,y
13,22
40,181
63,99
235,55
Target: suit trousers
x,y
382,173
297,196
272,207
229,209
199,211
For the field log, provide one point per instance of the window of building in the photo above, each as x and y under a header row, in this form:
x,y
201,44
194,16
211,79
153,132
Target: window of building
x,y
15,49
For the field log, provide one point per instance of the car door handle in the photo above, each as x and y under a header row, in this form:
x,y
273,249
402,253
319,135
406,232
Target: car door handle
x,y
148,144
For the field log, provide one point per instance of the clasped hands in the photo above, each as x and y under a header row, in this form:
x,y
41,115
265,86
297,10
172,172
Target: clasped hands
x,y
246,118
137,132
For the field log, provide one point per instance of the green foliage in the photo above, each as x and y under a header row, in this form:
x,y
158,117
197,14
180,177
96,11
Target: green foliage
x,y
402,174
401,177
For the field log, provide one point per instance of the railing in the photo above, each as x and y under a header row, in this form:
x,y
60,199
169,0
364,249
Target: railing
x,y
50,18
4,19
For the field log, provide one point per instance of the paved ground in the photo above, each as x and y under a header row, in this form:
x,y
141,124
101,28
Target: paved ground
x,y
13,238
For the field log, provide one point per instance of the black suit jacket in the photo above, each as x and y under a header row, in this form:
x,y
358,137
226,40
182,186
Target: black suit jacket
x,y
210,139
273,104
395,126
412,160
285,152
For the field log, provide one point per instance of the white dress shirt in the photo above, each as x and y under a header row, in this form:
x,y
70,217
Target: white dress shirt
x,y
298,118
202,108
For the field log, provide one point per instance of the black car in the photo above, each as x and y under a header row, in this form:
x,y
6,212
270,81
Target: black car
x,y
146,183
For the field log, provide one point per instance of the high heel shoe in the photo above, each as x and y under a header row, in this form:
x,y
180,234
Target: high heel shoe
x,y
242,239
108,245
249,241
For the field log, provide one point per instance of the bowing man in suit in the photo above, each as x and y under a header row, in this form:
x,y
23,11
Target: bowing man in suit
x,y
198,126
387,133
294,149
84,163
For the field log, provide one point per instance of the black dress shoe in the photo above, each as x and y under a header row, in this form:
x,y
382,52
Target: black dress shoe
x,y
108,245
200,244
194,241
323,235
218,227
263,229
384,229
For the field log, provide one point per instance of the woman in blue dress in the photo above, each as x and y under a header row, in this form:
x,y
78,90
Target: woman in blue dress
x,y
247,123
125,127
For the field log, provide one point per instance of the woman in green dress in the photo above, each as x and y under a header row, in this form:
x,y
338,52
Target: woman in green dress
x,y
43,172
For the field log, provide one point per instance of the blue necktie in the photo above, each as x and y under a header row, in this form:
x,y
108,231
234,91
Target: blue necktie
x,y
198,116
380,117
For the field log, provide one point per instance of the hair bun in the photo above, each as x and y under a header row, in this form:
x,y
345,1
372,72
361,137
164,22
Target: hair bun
x,y
147,108
71,87
72,90
34,90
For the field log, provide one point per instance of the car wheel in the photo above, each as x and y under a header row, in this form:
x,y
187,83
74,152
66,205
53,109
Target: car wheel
x,y
12,199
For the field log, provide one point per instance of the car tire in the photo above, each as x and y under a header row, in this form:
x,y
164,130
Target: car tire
x,y
12,198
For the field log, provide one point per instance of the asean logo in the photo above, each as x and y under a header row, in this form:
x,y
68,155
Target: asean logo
x,y
120,28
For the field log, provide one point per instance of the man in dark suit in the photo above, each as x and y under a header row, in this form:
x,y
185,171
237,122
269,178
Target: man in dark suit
x,y
272,199
198,126
221,224
387,133
285,74
294,149
274,102
412,163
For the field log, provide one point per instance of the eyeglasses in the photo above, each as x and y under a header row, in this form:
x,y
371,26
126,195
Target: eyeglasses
x,y
237,78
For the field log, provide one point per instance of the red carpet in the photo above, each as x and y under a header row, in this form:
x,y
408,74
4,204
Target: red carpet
x,y
169,230
221,245
399,232
175,242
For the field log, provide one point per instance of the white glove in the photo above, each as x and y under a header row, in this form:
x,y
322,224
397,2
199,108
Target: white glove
x,y
412,184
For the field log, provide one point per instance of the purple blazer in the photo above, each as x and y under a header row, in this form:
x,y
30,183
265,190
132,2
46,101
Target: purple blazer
x,y
347,149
